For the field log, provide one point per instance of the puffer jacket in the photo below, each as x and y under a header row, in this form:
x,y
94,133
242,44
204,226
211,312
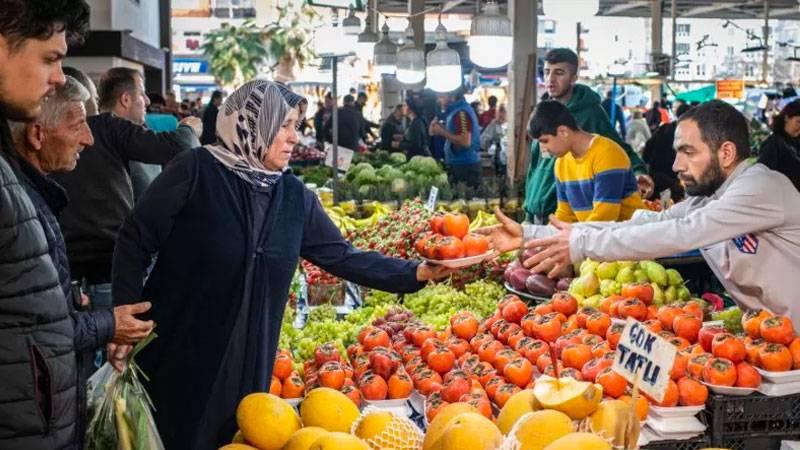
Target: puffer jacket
x,y
37,361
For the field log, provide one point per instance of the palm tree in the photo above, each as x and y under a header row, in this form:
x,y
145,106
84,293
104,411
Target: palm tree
x,y
235,54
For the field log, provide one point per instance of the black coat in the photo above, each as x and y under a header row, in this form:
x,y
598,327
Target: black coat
x,y
415,138
37,362
351,127
782,153
100,190
226,255
93,329
209,135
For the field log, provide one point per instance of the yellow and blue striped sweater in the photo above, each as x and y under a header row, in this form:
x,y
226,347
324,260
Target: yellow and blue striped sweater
x,y
600,186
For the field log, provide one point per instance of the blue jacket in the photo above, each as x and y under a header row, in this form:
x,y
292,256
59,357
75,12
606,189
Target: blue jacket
x,y
459,156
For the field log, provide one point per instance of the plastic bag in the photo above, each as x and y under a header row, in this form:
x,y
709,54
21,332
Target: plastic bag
x,y
120,411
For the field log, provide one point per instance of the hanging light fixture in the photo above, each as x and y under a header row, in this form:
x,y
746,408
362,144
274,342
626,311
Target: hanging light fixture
x,y
570,11
351,24
367,39
410,60
443,70
385,58
490,41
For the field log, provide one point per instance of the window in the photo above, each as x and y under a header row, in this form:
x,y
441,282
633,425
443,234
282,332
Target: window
x,y
750,70
683,29
682,48
730,51
547,26
700,70
234,8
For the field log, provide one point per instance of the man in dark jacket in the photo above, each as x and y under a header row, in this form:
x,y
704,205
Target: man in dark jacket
x,y
210,119
392,128
37,362
52,143
619,114
351,125
100,188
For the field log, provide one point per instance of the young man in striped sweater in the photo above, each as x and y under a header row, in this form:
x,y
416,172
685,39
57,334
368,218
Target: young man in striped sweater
x,y
594,180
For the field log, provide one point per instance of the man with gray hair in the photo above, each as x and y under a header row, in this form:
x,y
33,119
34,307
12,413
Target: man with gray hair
x,y
52,143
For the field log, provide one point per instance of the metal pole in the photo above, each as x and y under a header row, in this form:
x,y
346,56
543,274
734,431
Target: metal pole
x,y
613,102
578,44
674,13
765,61
335,125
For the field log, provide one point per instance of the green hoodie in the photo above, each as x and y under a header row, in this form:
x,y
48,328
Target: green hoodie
x,y
540,185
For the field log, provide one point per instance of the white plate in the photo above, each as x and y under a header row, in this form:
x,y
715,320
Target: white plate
x,y
790,376
460,262
779,390
655,436
676,425
676,411
730,390
294,401
399,406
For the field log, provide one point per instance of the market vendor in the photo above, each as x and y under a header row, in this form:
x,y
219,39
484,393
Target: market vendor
x,y
744,218
228,223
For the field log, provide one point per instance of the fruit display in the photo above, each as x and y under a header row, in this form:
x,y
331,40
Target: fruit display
x,y
394,234
449,238
302,152
537,284
341,216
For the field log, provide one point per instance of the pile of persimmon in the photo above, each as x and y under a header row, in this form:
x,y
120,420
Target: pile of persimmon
x,y
378,368
286,382
771,343
329,369
449,238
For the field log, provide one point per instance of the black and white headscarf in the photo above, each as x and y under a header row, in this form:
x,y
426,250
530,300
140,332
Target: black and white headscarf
x,y
247,124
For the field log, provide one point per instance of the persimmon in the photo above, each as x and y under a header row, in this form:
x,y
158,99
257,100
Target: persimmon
x,y
667,314
275,386
583,313
479,402
570,325
642,405
747,376
598,323
293,386
475,244
544,308
695,309
433,405
464,325
679,343
598,350
775,358
633,307
671,395
691,392
613,334
751,321
519,372
492,384
331,375
538,348
454,388
547,328
456,225
726,345
564,303
399,385
643,291
568,372
593,367
576,355
777,329
503,357
720,372
752,348
687,326
614,385
441,360
283,366
794,348
591,340
679,366
697,364
515,311
488,350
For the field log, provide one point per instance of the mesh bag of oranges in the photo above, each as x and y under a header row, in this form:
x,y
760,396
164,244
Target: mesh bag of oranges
x,y
385,430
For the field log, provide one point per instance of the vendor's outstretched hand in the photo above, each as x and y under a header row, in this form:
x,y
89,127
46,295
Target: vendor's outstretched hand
x,y
553,256
431,272
505,236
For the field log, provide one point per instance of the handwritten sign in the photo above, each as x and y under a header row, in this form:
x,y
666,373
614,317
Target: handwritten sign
x,y
647,354
432,198
345,157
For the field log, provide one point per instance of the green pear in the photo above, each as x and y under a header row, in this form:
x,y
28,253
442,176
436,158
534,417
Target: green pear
x,y
607,270
609,288
671,294
593,301
658,295
625,275
640,276
589,266
631,264
684,294
656,273
588,284
674,278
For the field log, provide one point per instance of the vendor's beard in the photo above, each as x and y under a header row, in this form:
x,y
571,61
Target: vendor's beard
x,y
710,180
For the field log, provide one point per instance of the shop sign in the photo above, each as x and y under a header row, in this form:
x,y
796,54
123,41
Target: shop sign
x,y
189,66
730,89
646,356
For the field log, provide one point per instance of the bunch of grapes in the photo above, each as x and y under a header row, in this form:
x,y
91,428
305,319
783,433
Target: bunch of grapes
x,y
322,313
732,317
376,298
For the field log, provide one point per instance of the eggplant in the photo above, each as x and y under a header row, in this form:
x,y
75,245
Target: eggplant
x,y
563,284
540,285
527,253
518,278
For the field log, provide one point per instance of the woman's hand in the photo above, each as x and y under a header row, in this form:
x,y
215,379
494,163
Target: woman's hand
x,y
429,272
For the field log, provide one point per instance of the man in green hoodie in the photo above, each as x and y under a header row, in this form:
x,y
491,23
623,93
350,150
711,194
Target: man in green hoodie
x,y
560,75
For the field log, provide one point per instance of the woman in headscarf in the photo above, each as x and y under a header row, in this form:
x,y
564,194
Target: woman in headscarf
x,y
228,223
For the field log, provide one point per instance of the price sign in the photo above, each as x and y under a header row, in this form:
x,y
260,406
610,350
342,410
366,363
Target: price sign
x,y
345,157
432,198
647,354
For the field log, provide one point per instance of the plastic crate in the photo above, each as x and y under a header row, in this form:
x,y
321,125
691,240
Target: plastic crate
x,y
743,419
688,444
762,442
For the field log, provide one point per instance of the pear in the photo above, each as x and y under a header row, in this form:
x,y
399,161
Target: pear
x,y
674,278
607,270
625,275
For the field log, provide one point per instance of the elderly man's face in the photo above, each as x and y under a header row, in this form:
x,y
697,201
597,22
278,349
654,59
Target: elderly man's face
x,y
59,145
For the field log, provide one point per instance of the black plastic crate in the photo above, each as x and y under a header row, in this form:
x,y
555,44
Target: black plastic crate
x,y
763,442
688,444
755,416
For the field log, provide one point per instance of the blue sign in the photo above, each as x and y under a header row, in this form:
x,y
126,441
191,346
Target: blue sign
x,y
189,66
